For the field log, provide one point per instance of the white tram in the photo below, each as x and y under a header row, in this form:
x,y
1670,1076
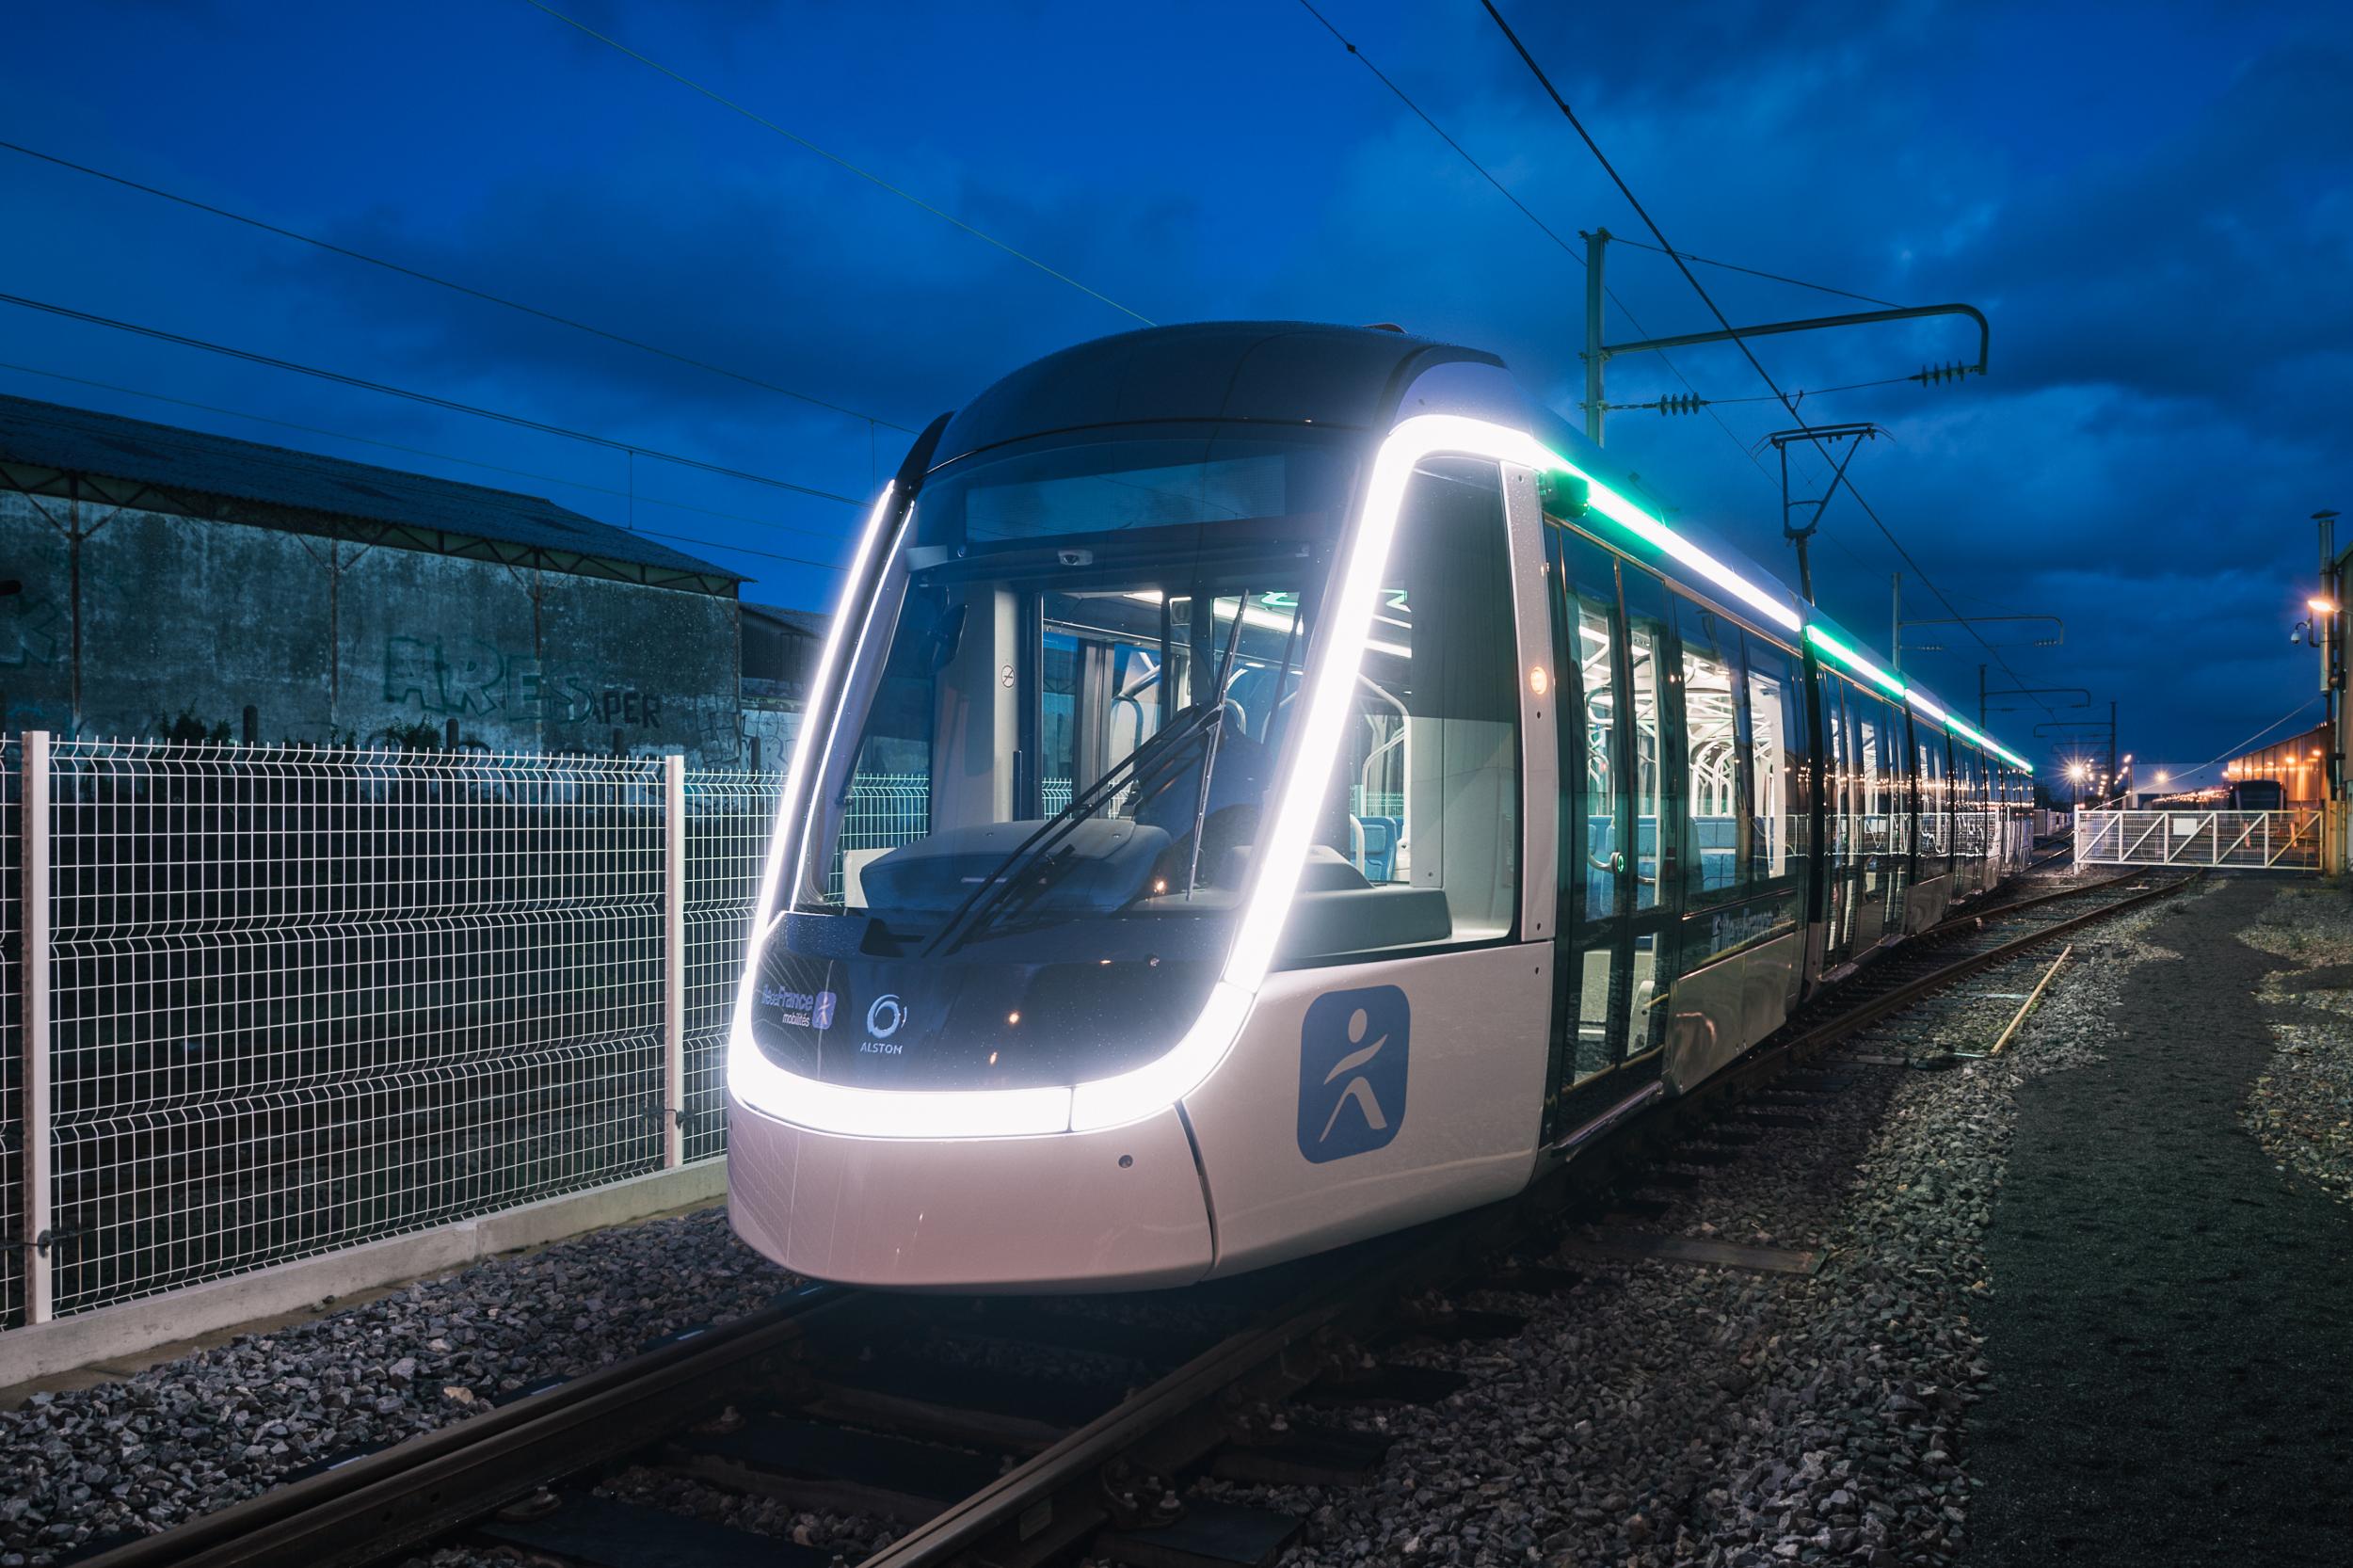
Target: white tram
x,y
1269,784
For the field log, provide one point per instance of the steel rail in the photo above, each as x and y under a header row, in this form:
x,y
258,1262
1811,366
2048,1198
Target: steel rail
x,y
381,1504
1976,919
1830,1031
1025,1514
402,1497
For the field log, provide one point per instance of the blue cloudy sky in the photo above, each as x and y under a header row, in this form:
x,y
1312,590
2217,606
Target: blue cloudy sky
x,y
2153,202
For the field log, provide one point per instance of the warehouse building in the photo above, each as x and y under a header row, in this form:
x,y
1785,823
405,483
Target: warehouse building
x,y
172,581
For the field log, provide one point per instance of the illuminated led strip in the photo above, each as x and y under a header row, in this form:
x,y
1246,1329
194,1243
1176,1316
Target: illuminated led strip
x,y
1861,665
1147,1090
812,1102
1152,1088
1634,521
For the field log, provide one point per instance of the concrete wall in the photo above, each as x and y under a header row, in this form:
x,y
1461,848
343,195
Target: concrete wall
x,y
128,619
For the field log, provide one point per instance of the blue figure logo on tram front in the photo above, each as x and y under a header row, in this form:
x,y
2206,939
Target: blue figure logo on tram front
x,y
1351,1072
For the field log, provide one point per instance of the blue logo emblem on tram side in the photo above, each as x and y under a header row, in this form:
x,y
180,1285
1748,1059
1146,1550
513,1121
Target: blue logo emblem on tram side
x,y
1351,1072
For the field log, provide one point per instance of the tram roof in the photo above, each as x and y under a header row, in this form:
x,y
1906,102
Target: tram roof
x,y
1344,377
1278,372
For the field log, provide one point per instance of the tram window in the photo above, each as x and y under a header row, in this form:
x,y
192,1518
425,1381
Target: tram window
x,y
1419,842
1885,822
1100,686
1600,816
1712,759
1777,742
1935,796
1603,767
1654,853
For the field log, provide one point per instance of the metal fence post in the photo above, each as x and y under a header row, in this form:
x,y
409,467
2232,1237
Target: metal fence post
x,y
674,959
39,1254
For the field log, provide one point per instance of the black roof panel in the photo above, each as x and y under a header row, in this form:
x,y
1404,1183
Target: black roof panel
x,y
1293,372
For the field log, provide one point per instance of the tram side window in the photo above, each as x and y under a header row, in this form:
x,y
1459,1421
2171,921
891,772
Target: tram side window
x,y
1935,798
1777,746
1712,750
1419,839
1981,805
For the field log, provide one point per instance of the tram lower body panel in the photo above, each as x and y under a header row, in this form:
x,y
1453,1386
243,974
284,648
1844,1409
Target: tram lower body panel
x,y
1115,1210
1306,1142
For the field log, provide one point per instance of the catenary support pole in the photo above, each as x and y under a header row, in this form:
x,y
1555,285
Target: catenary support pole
x,y
674,959
1896,621
40,1251
1594,244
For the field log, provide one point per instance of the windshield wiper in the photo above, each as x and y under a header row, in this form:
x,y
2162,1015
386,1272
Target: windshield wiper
x,y
1160,753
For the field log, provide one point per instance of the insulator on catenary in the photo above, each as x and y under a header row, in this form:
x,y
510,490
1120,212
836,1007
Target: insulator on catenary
x,y
1685,403
1931,375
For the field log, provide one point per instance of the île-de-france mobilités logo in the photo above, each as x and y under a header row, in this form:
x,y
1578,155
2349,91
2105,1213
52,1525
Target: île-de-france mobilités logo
x,y
1352,1071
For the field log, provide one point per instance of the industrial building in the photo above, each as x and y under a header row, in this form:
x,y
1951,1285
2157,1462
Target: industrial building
x,y
173,582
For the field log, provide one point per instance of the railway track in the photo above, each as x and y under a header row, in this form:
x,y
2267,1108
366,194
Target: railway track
x,y
939,1416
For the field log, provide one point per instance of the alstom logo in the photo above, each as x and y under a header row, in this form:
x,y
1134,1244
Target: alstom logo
x,y
1352,1071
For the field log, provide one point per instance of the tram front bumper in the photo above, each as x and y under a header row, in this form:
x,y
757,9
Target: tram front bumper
x,y
1116,1211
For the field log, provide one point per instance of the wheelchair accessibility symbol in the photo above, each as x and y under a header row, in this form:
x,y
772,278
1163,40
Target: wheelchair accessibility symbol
x,y
1351,1072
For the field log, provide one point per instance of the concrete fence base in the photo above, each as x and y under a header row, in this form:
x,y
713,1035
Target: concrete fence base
x,y
66,1344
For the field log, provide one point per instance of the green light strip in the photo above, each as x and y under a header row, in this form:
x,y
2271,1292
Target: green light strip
x,y
1653,532
1863,666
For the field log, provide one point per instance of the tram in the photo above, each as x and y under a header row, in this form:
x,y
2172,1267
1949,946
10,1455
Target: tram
x,y
1269,784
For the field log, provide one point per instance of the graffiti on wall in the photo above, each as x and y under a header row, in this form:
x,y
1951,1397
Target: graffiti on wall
x,y
33,632
458,677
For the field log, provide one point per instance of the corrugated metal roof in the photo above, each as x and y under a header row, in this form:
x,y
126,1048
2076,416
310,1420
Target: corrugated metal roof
x,y
811,622
82,440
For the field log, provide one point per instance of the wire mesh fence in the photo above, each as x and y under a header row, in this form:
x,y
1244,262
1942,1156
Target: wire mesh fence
x,y
12,1041
301,998
2285,839
728,817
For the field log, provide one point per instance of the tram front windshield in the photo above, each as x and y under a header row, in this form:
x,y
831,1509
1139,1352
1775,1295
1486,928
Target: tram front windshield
x,y
1054,756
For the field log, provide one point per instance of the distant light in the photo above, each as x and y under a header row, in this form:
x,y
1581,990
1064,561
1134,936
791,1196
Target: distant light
x,y
1013,1018
1538,682
2164,777
2322,605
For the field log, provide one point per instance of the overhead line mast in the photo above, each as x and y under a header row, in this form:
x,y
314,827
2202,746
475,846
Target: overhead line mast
x,y
1731,333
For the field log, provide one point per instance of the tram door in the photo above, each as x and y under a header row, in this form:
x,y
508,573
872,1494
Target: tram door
x,y
1618,836
1837,859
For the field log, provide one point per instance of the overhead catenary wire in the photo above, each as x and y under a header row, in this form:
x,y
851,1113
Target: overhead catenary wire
x,y
468,462
2230,752
1525,211
430,399
1506,192
468,290
1757,272
1764,473
836,158
1667,246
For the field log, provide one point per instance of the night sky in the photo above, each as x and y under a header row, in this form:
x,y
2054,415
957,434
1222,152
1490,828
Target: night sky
x,y
2153,203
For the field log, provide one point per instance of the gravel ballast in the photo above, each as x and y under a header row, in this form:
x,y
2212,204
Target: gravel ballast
x,y
194,1435
2012,1352
2300,1107
2173,1331
1663,1412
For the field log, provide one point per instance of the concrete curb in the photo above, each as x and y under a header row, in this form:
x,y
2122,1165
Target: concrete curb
x,y
111,1333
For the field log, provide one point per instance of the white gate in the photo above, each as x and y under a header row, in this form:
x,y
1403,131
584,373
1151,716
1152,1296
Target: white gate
x,y
2287,841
